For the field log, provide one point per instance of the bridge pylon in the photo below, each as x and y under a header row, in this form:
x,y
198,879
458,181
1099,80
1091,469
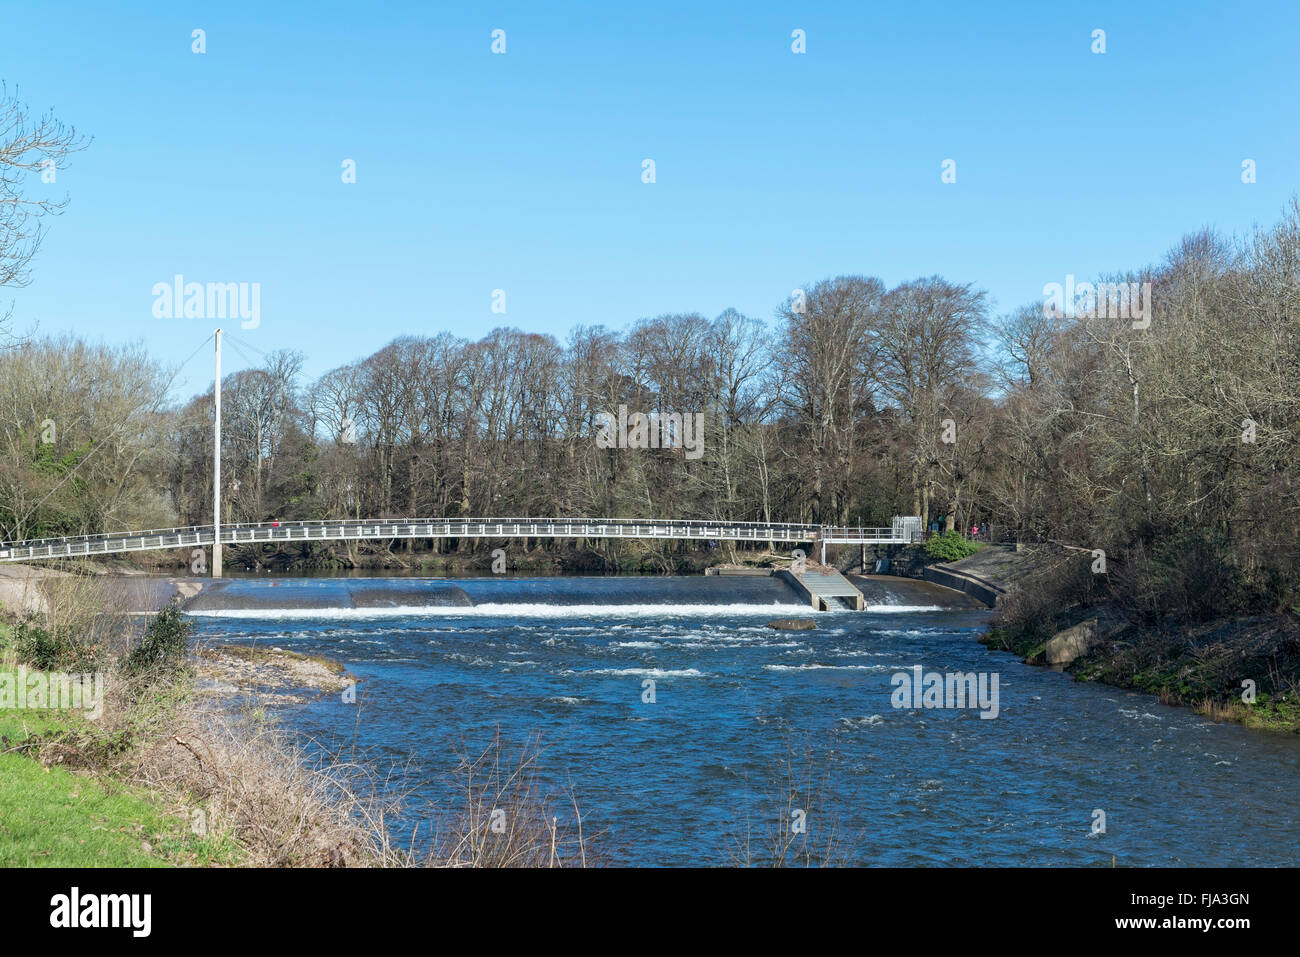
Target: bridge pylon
x,y
216,462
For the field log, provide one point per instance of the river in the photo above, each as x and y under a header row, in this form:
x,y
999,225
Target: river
x,y
678,780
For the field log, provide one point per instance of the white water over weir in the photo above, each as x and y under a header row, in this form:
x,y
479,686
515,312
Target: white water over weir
x,y
338,530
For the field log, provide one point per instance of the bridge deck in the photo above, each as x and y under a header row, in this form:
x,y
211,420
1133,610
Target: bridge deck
x,y
339,530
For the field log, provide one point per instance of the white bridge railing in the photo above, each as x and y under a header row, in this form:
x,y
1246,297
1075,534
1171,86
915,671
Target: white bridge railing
x,y
393,528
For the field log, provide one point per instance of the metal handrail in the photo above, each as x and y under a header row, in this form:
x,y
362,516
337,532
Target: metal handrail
x,y
788,531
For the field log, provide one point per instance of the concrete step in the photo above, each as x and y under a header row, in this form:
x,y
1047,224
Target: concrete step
x,y
828,585
825,590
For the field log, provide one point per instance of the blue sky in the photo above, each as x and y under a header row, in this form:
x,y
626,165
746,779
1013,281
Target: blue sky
x,y
522,171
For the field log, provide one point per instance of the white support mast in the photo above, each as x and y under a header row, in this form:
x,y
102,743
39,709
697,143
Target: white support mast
x,y
216,465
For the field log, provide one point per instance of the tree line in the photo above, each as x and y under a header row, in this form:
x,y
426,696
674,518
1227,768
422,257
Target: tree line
x,y
854,403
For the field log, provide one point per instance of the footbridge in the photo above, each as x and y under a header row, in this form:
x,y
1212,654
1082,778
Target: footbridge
x,y
199,536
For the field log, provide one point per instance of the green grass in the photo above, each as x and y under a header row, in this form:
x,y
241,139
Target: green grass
x,y
1270,714
1013,638
56,817
951,546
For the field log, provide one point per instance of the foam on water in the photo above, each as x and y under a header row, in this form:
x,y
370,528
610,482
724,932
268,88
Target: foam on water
x,y
641,672
821,667
505,610
899,609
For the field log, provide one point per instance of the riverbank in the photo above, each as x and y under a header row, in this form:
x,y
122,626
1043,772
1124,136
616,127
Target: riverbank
x,y
175,759
61,807
117,587
56,816
1057,613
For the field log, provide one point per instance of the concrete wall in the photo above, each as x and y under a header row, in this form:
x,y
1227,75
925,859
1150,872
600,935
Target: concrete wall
x,y
911,561
975,587
793,581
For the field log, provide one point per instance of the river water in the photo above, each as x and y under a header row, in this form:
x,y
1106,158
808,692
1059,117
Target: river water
x,y
681,779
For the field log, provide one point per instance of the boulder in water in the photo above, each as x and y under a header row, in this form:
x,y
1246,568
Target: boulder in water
x,y
793,624
1072,643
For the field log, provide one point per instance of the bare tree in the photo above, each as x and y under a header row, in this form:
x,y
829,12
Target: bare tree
x,y
827,359
926,346
28,144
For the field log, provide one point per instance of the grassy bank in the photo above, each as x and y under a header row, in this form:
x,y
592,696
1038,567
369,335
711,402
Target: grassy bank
x,y
1237,667
150,772
53,814
56,816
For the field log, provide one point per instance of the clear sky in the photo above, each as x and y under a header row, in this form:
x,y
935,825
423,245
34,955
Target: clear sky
x,y
523,171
